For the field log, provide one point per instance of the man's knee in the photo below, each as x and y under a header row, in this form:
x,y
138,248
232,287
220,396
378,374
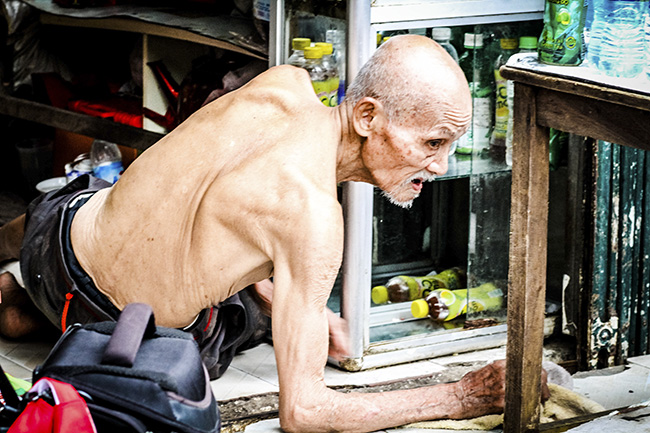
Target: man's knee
x,y
11,238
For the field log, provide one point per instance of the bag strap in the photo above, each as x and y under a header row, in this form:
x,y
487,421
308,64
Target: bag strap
x,y
135,322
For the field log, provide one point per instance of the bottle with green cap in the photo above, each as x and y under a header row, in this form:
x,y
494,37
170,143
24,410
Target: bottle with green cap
x,y
404,288
331,70
562,41
297,57
444,305
314,65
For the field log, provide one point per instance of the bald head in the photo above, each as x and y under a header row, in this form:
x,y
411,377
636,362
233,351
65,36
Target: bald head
x,y
410,72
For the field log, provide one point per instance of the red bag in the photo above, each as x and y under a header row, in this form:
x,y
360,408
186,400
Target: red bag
x,y
54,407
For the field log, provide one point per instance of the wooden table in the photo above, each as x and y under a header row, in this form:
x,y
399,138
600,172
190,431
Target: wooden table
x,y
575,100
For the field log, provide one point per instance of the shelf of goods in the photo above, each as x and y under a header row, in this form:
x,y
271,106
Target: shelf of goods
x,y
183,32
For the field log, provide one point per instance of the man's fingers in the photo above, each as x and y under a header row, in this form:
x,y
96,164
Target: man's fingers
x,y
546,393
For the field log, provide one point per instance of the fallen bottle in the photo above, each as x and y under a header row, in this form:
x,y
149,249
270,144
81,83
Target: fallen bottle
x,y
403,288
444,305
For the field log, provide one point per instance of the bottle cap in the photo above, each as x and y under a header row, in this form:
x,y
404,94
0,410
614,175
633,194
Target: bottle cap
x,y
300,43
325,47
473,40
419,308
509,43
313,53
528,42
441,33
379,294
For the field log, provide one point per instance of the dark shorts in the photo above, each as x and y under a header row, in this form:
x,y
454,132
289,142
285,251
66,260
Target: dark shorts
x,y
63,291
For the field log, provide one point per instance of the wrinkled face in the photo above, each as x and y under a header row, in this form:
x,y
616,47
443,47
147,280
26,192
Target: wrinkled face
x,y
413,151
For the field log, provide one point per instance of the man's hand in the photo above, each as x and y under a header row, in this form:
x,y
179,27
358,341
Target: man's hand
x,y
482,391
339,336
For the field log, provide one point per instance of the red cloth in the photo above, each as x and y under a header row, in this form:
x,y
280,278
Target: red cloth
x,y
69,413
120,110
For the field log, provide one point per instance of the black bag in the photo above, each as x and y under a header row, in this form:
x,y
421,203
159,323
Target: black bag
x,y
135,376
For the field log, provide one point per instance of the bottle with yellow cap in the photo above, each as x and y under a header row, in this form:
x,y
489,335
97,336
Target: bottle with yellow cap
x,y
498,139
297,57
404,288
331,70
444,305
314,65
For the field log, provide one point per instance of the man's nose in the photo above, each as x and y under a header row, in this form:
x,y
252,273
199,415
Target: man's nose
x,y
439,165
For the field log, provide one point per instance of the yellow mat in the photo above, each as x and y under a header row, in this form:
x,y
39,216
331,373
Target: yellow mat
x,y
563,404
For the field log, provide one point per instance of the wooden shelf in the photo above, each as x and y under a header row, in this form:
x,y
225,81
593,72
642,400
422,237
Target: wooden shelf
x,y
145,28
194,25
44,114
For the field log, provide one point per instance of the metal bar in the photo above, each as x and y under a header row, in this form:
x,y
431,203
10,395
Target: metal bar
x,y
357,206
645,259
636,322
626,242
277,38
614,250
601,229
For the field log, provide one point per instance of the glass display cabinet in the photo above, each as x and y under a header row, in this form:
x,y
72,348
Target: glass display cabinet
x,y
461,220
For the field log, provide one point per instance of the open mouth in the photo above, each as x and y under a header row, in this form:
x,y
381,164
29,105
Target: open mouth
x,y
417,184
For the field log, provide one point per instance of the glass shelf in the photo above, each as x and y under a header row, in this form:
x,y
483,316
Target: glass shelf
x,y
472,165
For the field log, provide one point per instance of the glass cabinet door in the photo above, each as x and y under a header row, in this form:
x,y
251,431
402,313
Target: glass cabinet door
x,y
459,225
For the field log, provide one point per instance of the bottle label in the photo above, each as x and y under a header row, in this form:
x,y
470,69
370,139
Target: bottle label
x,y
109,171
334,92
481,123
322,91
262,10
501,109
561,41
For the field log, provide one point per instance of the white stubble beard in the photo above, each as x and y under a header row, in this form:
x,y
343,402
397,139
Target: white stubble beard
x,y
406,185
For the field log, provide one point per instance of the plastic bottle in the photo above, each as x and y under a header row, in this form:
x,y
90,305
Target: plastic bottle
x,y
444,305
403,288
332,72
647,44
527,44
297,57
471,62
562,39
261,17
106,160
498,140
337,39
616,38
442,35
314,65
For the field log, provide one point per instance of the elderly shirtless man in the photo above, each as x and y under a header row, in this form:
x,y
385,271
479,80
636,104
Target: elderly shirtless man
x,y
244,190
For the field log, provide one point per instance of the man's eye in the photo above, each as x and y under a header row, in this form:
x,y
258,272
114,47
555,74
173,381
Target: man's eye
x,y
434,143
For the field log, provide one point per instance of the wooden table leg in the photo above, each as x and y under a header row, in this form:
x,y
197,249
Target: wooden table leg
x,y
527,270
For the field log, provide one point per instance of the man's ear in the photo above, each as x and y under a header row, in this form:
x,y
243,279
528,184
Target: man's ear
x,y
367,115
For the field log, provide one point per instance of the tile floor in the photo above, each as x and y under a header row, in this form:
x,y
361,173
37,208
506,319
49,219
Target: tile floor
x,y
254,372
